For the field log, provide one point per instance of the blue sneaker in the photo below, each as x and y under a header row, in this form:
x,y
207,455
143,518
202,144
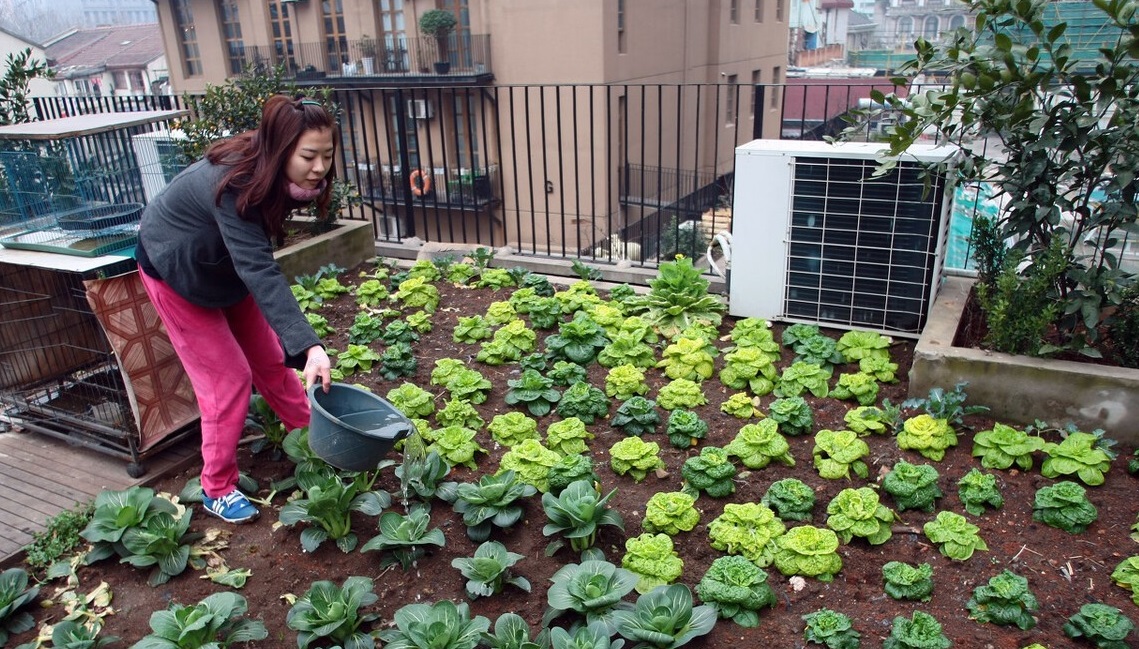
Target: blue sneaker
x,y
233,507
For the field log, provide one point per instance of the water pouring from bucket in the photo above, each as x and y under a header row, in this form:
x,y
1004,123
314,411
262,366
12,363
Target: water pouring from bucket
x,y
353,429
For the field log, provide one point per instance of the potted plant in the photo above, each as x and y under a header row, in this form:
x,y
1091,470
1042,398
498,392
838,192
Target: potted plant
x,y
368,54
440,24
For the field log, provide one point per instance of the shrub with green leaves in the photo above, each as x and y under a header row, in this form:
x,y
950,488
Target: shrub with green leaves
x,y
1003,601
758,444
456,445
858,512
977,490
747,529
417,293
856,345
635,457
512,428
793,414
954,536
331,613
791,499
398,360
866,420
412,400
626,348
585,402
681,393
678,296
685,428
1104,626
737,589
688,358
1079,456
569,469
670,512
60,538
443,624
594,589
801,377
489,570
456,412
710,472
1002,446
908,582
625,382
636,417
492,501
751,368
568,437
913,486
665,618
499,313
471,329
1126,576
1065,506
927,435
532,391
15,595
920,631
578,513
653,559
838,452
215,621
831,629
808,551
858,386
566,373
741,406
469,385
531,461
510,343
577,341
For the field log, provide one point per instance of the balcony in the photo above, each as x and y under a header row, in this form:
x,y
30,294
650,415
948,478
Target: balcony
x,y
458,60
453,188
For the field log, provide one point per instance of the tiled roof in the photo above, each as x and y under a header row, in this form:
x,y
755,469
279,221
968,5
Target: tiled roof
x,y
116,46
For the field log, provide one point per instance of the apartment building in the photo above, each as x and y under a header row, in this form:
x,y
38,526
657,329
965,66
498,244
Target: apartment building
x,y
618,77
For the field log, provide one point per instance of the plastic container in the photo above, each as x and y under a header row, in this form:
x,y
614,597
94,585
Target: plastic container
x,y
353,429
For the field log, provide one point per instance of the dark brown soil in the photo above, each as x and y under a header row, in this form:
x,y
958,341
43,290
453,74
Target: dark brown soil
x,y
1064,571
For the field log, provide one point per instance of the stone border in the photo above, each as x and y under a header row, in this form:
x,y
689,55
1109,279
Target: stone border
x,y
348,244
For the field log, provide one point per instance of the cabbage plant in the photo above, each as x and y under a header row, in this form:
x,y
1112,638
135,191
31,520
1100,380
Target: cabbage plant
x,y
747,529
331,613
594,589
913,486
670,512
737,589
577,514
809,551
653,558
665,618
441,625
1103,625
758,444
403,538
15,595
493,501
1002,446
488,571
927,435
837,453
215,621
909,582
1079,456
635,457
513,428
831,629
1005,600
1064,505
954,536
858,512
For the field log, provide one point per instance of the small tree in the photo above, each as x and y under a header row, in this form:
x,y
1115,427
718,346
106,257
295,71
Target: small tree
x,y
19,70
439,23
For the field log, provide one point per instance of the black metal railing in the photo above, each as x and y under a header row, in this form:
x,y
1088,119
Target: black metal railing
x,y
602,172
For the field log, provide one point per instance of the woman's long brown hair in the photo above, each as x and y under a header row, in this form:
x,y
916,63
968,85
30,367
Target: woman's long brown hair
x,y
257,161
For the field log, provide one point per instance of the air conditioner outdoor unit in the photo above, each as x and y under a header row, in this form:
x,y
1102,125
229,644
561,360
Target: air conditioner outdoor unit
x,y
817,239
420,109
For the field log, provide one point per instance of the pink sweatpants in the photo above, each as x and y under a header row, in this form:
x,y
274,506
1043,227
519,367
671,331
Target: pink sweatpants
x,y
224,352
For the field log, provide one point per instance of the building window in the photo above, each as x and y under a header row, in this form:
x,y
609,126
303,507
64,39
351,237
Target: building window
x,y
779,11
905,27
930,29
335,40
462,12
136,82
393,33
730,103
282,32
231,32
759,10
187,38
956,22
776,79
119,78
466,133
756,79
621,26
734,12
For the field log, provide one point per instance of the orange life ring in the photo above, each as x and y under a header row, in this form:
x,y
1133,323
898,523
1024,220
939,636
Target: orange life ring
x,y
420,183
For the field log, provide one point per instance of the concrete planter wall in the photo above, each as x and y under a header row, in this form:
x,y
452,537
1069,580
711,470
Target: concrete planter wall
x,y
348,244
1021,389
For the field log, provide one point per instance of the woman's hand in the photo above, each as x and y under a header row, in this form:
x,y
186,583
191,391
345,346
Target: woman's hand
x,y
318,366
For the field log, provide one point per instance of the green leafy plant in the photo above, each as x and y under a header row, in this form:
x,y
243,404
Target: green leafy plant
x,y
580,296
913,486
831,629
493,501
441,625
569,469
512,428
417,293
741,406
859,386
1004,600
626,348
421,475
977,490
568,437
456,445
751,368
815,348
578,513
635,457
585,402
488,571
1002,446
636,416
653,559
685,428
809,551
927,435
14,596
1078,455
356,358
594,588
327,612
791,499
399,331
670,512
910,582
510,343
531,461
216,621
545,312
1126,576
625,382
566,373
398,360
866,420
577,341
681,393
688,358
710,472
801,377
512,632
471,329
371,292
469,386
758,444
533,391
499,313
856,345
954,536
412,400
920,631
737,589
319,325
326,506
1105,626
949,406
590,636
456,412
420,322
495,278
837,453
1064,505
59,538
747,529
665,618
678,296
881,368
404,538
793,414
143,529
858,512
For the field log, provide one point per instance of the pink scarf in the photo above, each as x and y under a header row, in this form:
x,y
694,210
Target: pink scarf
x,y
298,193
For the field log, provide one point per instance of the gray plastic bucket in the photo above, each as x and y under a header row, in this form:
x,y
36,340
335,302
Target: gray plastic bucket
x,y
353,429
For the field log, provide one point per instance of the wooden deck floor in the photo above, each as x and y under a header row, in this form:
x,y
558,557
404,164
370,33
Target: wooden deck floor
x,y
41,476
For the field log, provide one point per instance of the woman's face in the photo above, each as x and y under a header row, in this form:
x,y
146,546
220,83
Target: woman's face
x,y
311,159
